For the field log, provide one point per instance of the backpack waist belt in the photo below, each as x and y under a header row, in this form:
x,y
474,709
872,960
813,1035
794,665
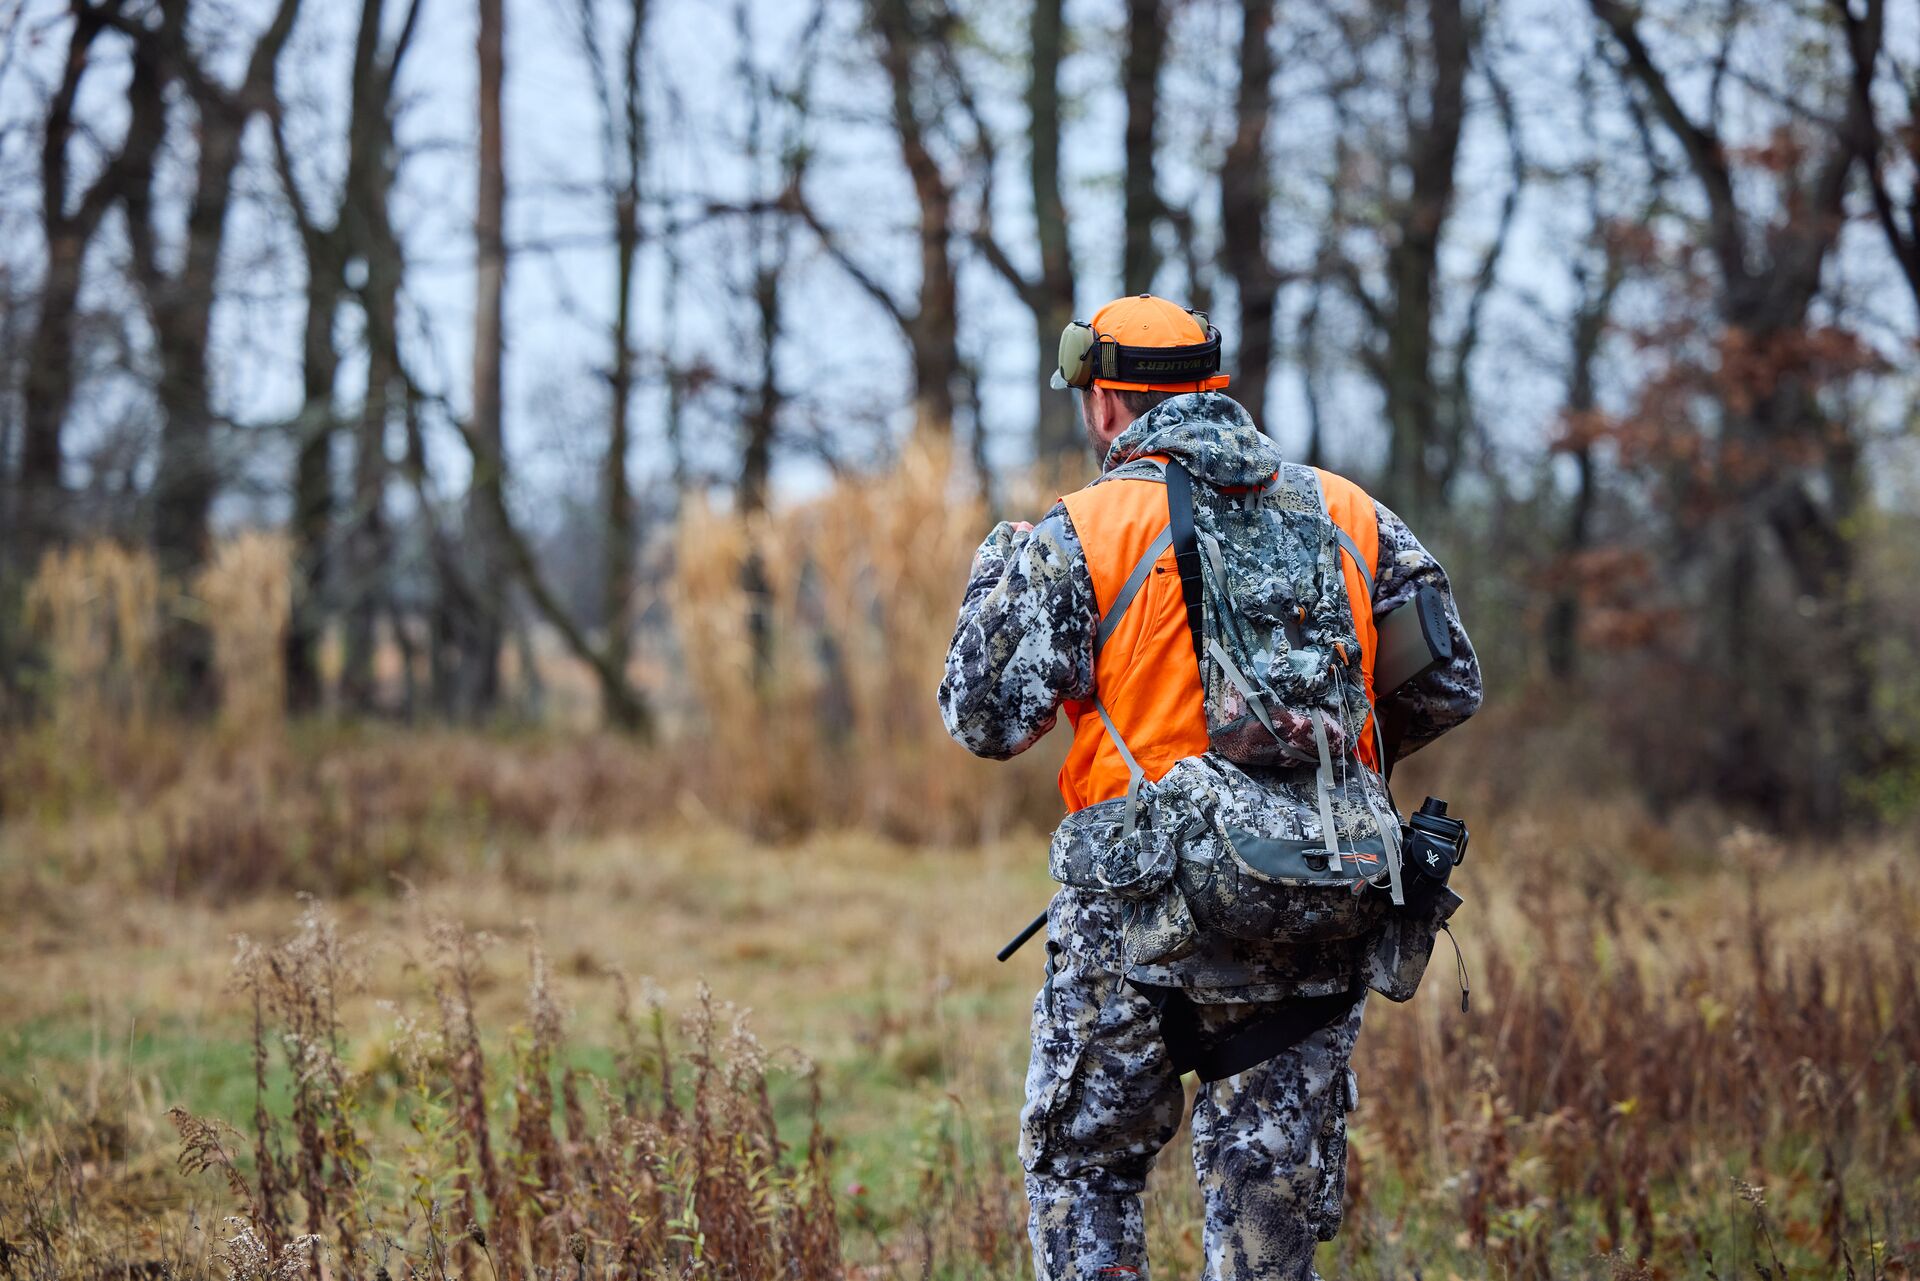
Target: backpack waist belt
x,y
1214,1058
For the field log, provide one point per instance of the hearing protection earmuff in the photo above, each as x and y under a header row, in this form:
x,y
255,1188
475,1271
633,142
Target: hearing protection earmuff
x,y
1087,354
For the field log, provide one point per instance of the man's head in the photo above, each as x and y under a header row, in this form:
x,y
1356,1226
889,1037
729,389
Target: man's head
x,y
1105,413
1134,354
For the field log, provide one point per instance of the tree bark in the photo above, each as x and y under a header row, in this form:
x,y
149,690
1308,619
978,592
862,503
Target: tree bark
x,y
481,631
1146,39
931,331
1418,457
1243,206
1057,432
49,384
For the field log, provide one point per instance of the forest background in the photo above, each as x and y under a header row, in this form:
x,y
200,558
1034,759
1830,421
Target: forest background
x,y
508,468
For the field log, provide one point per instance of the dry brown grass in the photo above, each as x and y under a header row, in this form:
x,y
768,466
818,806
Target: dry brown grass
x,y
829,718
670,1165
245,591
98,611
1692,1049
1639,1048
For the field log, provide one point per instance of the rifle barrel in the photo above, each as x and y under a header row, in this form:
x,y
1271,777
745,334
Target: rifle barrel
x,y
1020,940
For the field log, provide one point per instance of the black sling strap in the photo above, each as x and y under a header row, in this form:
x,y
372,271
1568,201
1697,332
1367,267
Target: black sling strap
x,y
1186,551
1272,1034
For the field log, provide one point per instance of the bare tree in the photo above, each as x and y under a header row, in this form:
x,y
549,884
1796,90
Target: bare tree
x,y
481,609
180,303
481,628
1601,264
1050,295
69,226
1244,187
904,43
1413,202
623,141
1898,213
356,229
1789,467
1048,292
1140,79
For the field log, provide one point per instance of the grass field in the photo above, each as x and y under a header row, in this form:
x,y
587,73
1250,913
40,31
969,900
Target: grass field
x,y
1689,1054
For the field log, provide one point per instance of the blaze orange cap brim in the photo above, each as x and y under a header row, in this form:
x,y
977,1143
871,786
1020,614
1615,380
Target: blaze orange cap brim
x,y
1207,384
1148,321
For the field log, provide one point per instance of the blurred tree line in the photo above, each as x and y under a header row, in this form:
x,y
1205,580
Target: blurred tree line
x,y
1614,302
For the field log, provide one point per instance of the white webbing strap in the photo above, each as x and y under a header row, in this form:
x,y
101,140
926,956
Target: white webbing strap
x,y
1212,546
1240,682
1389,827
1323,788
1134,772
1340,534
1352,549
1130,588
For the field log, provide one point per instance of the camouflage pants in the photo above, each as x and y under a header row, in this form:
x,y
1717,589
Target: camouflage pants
x,y
1269,1144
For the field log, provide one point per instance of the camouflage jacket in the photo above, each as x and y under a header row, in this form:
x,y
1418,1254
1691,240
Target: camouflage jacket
x,y
1024,642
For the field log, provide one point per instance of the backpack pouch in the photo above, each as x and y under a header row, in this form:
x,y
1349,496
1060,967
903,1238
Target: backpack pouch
x,y
1398,958
1093,850
1231,887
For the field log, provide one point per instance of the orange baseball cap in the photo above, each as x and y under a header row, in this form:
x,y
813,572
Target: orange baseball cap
x,y
1145,321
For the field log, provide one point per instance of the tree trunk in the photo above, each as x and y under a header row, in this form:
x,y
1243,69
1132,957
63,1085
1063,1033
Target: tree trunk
x,y
1413,485
617,596
626,123
756,460
180,305
1146,38
369,545
481,632
188,473
312,518
49,392
49,370
1057,432
931,330
1590,320
1243,207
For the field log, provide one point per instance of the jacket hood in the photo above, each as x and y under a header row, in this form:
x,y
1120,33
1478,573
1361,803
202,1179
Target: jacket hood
x,y
1207,431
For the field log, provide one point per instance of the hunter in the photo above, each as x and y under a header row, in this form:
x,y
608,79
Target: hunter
x,y
1095,609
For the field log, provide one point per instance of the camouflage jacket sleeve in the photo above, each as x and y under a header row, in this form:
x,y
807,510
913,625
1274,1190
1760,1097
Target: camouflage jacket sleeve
x,y
1442,698
1024,642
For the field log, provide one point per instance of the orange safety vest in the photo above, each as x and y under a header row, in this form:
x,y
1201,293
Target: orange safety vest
x,y
1146,673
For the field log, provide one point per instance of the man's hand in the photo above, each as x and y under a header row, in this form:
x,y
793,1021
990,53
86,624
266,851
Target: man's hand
x,y
999,544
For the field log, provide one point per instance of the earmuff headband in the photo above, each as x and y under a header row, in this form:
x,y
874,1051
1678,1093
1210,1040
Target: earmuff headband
x,y
1086,354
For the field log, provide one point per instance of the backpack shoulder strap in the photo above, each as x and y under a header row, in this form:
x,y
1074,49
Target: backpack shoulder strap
x,y
1356,524
1186,552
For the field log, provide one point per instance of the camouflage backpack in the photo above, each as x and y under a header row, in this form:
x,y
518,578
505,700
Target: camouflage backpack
x,y
1273,632
1217,846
